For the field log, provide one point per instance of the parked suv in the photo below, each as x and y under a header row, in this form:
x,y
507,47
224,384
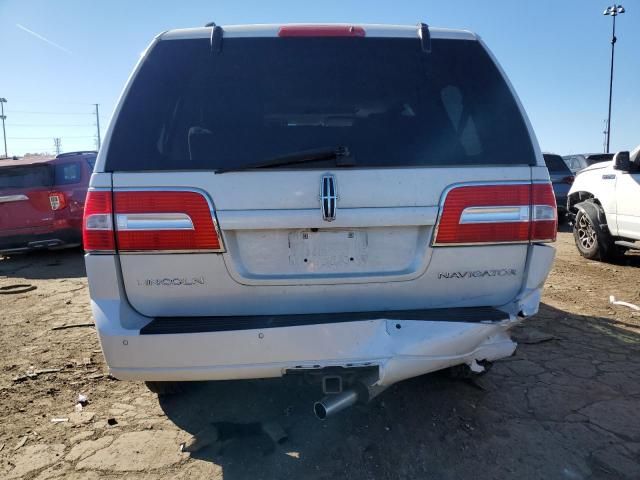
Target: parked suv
x,y
605,201
366,203
579,161
42,200
561,178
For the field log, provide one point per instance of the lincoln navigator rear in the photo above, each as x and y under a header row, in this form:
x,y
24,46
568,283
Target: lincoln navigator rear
x,y
364,203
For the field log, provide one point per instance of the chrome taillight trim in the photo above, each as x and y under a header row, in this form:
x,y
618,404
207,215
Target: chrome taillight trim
x,y
153,221
495,214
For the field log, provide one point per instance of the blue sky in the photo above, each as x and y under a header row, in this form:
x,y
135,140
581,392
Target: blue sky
x,y
61,57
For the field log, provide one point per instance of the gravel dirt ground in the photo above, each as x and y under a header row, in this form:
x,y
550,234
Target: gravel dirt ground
x,y
565,406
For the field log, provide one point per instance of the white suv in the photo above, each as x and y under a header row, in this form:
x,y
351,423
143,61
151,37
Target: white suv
x,y
366,203
605,200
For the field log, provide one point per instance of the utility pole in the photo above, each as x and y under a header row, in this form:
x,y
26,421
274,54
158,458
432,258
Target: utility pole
x,y
612,11
98,124
4,132
57,142
604,132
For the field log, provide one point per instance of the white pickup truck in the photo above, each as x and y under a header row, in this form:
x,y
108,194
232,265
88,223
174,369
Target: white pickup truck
x,y
605,200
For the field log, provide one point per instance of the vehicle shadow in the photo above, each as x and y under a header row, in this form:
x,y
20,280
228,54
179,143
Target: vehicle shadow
x,y
435,426
44,265
629,259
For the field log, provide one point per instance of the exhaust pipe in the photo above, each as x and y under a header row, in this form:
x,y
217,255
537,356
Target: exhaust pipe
x,y
335,403
362,392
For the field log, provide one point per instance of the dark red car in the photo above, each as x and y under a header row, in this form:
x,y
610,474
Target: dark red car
x,y
41,201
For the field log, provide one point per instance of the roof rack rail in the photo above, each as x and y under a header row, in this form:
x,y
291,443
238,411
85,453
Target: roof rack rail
x,y
216,37
80,152
425,37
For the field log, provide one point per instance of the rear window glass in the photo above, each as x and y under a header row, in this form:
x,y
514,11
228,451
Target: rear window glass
x,y
384,99
26,177
68,173
555,163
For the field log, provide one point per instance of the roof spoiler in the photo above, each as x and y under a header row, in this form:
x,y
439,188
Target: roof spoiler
x,y
216,37
217,32
425,37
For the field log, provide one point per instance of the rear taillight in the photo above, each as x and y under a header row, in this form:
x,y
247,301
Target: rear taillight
x,y
97,224
321,31
544,213
493,214
57,200
151,221
165,220
568,179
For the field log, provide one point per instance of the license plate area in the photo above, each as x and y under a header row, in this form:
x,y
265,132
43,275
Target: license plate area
x,y
328,250
338,255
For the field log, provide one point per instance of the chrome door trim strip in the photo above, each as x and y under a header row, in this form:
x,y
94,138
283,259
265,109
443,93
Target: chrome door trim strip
x,y
13,198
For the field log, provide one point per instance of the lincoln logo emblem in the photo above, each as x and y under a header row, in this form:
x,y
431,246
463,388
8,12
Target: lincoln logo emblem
x,y
328,197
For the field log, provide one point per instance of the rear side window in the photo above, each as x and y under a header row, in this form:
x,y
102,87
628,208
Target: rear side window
x,y
384,99
574,162
68,173
26,177
91,161
599,157
555,163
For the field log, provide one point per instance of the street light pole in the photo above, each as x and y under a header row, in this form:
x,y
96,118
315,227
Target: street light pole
x,y
98,124
4,132
612,11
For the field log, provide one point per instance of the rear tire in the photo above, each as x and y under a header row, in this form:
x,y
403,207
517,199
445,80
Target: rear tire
x,y
592,237
166,388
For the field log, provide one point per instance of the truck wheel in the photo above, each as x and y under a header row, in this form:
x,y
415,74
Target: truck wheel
x,y
593,241
166,388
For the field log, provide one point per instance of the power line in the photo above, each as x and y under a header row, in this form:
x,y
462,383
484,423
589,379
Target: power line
x,y
53,125
97,126
50,102
29,112
40,128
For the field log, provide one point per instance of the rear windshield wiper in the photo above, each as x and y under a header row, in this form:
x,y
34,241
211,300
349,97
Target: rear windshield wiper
x,y
340,154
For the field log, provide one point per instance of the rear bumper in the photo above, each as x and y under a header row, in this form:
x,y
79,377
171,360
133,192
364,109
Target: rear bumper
x,y
400,344
400,348
38,240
